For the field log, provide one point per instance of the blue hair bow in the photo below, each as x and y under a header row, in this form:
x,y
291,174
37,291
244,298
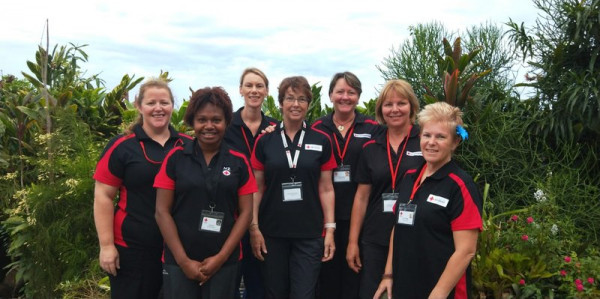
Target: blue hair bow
x,y
460,131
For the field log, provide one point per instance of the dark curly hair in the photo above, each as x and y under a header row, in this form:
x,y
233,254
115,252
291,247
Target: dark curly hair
x,y
208,95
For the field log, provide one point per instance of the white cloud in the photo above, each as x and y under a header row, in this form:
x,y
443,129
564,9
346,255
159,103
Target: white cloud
x,y
210,43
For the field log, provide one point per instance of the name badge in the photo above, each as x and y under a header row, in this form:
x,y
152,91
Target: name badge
x,y
407,214
292,191
389,199
211,221
438,200
341,174
313,147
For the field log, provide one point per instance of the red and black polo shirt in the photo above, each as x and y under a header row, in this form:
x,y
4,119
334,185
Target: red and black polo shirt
x,y
239,136
447,201
374,169
214,187
346,151
295,219
131,162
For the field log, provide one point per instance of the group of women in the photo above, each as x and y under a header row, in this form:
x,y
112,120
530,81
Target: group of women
x,y
325,210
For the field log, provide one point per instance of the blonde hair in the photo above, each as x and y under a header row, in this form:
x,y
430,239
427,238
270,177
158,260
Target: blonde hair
x,y
441,112
150,83
255,71
403,89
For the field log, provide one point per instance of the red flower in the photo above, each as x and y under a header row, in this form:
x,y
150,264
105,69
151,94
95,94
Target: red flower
x,y
577,281
522,282
514,218
529,219
563,273
567,259
579,288
591,280
525,237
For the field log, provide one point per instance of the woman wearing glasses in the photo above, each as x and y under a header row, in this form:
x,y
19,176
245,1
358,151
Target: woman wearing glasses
x,y
294,205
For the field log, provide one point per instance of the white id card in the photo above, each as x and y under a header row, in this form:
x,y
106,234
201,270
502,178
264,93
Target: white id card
x,y
341,174
389,200
211,221
407,214
292,191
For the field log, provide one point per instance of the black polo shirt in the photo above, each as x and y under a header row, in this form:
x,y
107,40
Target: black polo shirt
x,y
239,136
198,187
294,219
362,130
374,169
447,201
130,162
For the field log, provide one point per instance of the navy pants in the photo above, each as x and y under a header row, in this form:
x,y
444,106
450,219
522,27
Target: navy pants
x,y
139,276
222,285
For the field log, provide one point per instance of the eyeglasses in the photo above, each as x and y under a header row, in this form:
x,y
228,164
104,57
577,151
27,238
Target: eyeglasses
x,y
301,100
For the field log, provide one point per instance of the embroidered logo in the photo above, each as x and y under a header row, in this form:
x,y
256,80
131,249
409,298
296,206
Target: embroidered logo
x,y
226,171
366,135
414,154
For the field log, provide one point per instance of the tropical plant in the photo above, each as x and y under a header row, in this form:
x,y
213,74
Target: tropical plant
x,y
562,51
314,109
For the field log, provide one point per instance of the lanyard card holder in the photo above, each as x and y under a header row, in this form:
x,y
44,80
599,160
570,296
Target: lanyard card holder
x,y
211,221
341,174
292,191
389,200
407,214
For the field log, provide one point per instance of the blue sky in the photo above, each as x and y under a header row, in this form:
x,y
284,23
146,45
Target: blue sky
x,y
209,43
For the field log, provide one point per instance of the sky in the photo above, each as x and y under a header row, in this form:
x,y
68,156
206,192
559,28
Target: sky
x,y
210,43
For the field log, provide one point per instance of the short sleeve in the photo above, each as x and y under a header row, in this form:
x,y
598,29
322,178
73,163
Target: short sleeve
x,y
465,210
258,156
363,171
110,168
165,179
327,159
247,180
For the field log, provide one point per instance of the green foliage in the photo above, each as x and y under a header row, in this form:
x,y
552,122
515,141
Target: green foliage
x,y
563,48
314,109
51,227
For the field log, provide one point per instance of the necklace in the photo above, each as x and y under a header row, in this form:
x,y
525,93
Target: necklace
x,y
342,126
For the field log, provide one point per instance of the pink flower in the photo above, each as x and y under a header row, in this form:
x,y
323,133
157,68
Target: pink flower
x,y
567,259
529,219
579,288
522,282
525,237
514,218
591,280
577,281
563,273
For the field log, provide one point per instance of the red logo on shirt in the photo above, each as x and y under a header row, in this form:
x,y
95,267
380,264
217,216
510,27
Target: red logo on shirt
x,y
226,172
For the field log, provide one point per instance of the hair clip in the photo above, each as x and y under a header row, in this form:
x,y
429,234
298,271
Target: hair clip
x,y
460,131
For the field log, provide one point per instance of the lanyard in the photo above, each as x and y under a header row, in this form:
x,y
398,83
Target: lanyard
x,y
337,144
417,183
293,163
392,171
246,139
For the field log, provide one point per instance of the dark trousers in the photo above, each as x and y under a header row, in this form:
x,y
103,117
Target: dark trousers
x,y
220,286
337,280
291,267
250,270
140,274
373,258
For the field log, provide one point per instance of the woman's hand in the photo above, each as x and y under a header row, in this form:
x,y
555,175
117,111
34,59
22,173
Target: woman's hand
x,y
329,243
385,286
109,259
210,266
191,269
353,257
268,129
257,241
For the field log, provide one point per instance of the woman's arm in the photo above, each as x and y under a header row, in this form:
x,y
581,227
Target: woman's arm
x,y
168,229
465,243
257,240
327,196
386,281
104,210
359,208
212,264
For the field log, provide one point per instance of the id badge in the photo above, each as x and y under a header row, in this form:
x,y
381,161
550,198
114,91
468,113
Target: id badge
x,y
341,174
407,214
389,199
211,221
292,191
